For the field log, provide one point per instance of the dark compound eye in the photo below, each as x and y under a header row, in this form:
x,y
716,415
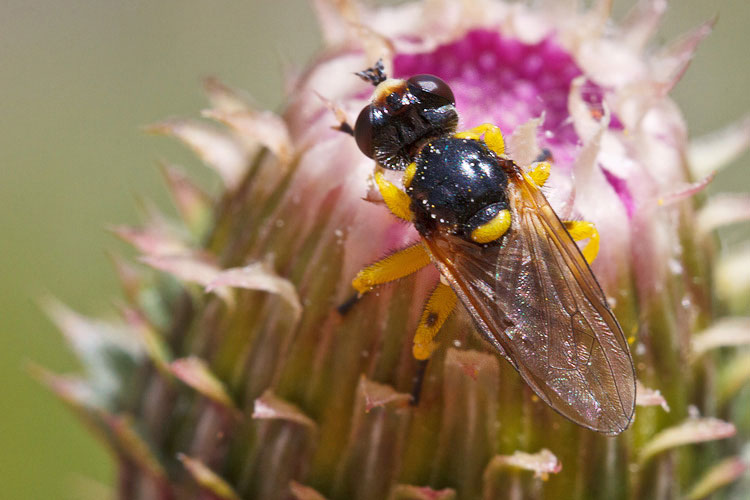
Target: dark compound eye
x,y
433,85
363,131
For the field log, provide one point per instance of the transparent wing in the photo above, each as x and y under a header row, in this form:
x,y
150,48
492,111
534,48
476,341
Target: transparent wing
x,y
535,299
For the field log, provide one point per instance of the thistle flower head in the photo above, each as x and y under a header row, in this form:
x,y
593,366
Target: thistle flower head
x,y
250,384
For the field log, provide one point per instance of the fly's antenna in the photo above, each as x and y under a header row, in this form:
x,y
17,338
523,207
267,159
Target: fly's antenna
x,y
374,75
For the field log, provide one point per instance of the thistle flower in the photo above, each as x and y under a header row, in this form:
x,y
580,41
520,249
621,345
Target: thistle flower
x,y
233,375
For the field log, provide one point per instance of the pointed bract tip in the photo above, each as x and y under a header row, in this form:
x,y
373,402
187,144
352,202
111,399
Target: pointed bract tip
x,y
130,442
542,464
271,407
302,492
379,395
196,373
411,492
207,479
645,396
719,475
690,431
259,276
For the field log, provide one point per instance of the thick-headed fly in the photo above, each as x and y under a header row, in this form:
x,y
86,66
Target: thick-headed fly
x,y
501,251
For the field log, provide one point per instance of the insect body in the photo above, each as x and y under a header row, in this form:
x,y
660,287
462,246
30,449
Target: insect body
x,y
501,250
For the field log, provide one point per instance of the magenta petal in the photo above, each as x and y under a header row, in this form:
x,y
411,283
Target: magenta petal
x,y
623,192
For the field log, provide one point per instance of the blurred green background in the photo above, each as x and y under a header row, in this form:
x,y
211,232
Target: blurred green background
x,y
79,79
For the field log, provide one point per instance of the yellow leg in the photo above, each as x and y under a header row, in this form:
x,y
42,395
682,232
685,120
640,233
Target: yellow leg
x,y
439,306
580,230
402,263
540,172
397,201
492,137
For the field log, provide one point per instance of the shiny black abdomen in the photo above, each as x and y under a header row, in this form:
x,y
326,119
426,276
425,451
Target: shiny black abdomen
x,y
458,185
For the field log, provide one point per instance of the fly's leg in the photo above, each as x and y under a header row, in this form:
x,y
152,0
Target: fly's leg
x,y
417,381
398,265
439,306
345,306
493,137
344,127
580,230
411,259
397,201
539,172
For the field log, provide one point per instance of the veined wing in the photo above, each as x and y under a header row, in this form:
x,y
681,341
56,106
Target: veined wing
x,y
535,299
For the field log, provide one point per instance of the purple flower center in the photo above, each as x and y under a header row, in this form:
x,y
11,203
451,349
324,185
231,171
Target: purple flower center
x,y
503,81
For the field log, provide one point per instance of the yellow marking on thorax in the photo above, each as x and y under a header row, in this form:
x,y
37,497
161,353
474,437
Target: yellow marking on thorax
x,y
493,229
409,174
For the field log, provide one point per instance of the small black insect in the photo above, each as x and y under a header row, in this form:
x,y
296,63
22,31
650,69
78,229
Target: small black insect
x,y
500,248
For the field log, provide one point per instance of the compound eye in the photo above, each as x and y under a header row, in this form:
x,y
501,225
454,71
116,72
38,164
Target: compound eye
x,y
363,132
433,85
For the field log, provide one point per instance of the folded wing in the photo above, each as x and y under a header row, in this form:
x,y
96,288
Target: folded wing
x,y
535,299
